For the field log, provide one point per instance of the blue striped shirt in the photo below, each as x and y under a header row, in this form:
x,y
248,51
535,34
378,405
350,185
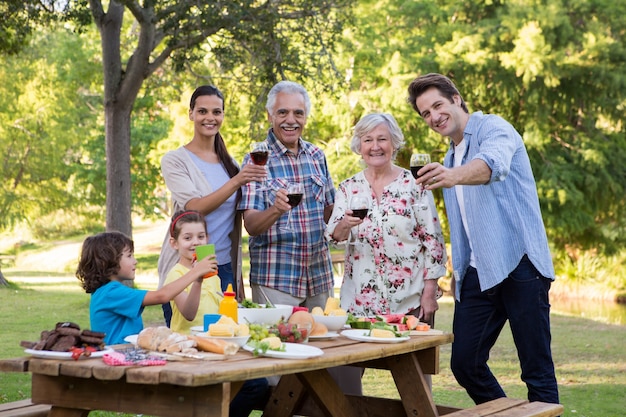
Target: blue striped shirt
x,y
297,262
503,216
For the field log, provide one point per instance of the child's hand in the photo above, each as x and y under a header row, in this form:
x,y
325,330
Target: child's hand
x,y
207,266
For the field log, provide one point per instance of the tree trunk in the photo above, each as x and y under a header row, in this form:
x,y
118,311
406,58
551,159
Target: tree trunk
x,y
121,87
118,206
3,281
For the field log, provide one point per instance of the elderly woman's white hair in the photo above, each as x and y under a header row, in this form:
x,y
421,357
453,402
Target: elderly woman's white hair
x,y
369,123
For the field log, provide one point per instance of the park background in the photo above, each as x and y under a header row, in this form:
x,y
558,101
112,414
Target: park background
x,y
87,111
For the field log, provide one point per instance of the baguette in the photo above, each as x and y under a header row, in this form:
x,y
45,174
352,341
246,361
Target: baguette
x,y
215,345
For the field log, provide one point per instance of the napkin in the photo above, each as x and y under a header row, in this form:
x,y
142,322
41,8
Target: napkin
x,y
116,358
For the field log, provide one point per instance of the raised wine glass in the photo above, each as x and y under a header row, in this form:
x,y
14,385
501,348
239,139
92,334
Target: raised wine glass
x,y
360,206
259,153
418,161
295,192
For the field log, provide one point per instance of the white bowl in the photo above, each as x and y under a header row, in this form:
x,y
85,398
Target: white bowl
x,y
333,323
264,315
239,340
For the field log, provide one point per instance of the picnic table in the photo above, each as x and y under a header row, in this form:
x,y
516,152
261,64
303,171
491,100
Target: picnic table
x,y
205,388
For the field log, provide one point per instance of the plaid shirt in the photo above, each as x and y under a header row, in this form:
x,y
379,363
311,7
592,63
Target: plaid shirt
x,y
297,262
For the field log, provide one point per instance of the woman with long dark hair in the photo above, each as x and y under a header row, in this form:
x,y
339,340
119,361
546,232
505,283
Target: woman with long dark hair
x,y
201,175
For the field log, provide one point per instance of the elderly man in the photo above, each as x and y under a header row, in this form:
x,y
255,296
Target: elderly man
x,y
290,266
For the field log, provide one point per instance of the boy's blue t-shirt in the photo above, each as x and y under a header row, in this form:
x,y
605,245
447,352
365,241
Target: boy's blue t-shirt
x,y
115,309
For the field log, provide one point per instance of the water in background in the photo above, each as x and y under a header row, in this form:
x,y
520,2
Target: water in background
x,y
602,311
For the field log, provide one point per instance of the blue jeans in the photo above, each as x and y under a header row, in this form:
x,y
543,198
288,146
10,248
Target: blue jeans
x,y
226,275
479,317
253,395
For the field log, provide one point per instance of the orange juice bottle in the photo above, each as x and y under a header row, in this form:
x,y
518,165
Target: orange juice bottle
x,y
228,305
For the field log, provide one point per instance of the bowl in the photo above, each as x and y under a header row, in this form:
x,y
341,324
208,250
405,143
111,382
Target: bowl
x,y
292,333
264,315
332,323
239,340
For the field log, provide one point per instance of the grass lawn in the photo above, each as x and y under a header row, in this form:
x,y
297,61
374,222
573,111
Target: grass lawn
x,y
589,356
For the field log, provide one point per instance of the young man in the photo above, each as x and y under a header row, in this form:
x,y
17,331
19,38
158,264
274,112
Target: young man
x,y
502,264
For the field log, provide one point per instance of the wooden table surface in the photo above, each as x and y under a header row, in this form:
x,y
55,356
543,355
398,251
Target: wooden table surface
x,y
204,388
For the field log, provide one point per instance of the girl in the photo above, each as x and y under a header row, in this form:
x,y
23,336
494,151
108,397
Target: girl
x,y
188,230
106,260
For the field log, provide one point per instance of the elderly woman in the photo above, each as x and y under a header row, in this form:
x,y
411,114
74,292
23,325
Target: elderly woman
x,y
393,261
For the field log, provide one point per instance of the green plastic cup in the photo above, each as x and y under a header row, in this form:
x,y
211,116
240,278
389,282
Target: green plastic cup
x,y
203,251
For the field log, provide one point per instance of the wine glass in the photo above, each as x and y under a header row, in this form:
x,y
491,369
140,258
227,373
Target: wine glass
x,y
259,153
418,160
360,206
295,192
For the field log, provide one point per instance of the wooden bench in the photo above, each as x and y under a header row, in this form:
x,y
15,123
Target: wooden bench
x,y
24,408
510,407
338,260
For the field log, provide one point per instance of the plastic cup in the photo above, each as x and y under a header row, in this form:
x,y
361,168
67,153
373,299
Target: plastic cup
x,y
210,319
202,251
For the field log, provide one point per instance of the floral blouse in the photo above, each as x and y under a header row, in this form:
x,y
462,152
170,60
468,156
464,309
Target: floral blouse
x,y
395,250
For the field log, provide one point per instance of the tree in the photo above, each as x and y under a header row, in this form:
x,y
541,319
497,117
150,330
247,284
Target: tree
x,y
178,32
554,69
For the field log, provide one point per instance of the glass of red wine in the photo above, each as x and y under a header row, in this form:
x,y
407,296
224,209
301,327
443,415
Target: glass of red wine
x,y
360,206
418,160
259,153
295,192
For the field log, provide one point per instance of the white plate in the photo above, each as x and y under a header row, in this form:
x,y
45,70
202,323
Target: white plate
x,y
48,354
328,335
362,336
196,329
131,339
292,351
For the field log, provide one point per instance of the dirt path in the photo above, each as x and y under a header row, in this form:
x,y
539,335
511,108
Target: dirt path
x,y
63,255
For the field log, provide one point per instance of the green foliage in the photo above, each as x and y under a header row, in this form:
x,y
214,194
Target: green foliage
x,y
554,69
38,145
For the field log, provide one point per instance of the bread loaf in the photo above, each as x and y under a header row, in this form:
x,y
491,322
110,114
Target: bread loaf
x,y
215,345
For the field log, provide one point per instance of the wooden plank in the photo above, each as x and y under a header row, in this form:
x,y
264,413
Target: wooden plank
x,y
14,364
161,400
376,407
532,409
488,408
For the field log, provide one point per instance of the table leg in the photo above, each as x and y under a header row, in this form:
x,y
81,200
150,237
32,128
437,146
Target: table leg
x,y
412,386
292,390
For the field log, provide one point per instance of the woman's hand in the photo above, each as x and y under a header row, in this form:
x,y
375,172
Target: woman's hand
x,y
251,172
428,301
342,230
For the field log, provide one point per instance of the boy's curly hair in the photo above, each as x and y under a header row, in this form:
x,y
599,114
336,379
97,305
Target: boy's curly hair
x,y
100,259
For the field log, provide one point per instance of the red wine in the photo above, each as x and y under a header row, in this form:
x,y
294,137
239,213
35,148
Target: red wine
x,y
415,169
259,158
294,199
360,213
